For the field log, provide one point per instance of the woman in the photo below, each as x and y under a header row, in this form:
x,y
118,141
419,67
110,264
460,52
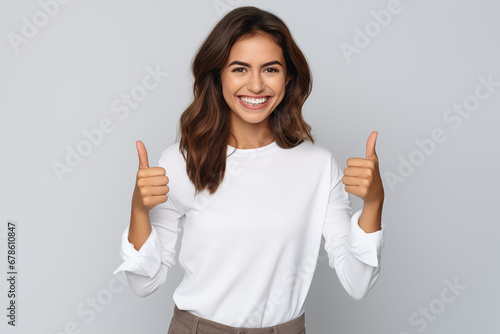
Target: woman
x,y
256,194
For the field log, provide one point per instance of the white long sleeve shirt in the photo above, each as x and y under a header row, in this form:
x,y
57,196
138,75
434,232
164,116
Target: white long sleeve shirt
x,y
249,251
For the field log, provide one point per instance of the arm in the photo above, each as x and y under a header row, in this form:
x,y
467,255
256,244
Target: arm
x,y
371,217
352,252
148,244
146,269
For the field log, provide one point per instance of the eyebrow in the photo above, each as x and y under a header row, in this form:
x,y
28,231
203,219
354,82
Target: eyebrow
x,y
237,62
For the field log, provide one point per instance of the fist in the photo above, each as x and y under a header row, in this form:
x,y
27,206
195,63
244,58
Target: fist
x,y
151,183
362,176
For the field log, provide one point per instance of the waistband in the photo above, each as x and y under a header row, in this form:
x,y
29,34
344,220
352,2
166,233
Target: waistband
x,y
195,323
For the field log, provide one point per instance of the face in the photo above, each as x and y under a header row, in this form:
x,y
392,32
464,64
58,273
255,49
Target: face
x,y
253,81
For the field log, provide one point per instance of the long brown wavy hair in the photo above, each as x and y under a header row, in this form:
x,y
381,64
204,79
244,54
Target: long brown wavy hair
x,y
205,125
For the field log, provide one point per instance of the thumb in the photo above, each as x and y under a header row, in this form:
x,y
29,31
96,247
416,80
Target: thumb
x,y
370,146
143,155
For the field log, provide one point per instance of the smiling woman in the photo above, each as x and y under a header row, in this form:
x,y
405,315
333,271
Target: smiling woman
x,y
253,87
252,231
251,80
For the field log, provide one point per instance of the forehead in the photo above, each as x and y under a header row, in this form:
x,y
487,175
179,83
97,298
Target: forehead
x,y
257,48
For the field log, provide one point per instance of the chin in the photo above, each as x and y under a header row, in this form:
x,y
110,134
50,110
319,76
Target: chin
x,y
254,119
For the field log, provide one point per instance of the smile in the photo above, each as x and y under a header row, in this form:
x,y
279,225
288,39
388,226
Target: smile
x,y
254,103
251,100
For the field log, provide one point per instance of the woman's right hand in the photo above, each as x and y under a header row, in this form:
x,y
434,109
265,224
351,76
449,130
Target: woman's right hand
x,y
151,183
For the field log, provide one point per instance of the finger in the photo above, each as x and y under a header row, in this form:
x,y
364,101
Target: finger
x,y
353,190
151,171
352,180
360,162
156,191
153,201
370,146
143,155
153,181
355,171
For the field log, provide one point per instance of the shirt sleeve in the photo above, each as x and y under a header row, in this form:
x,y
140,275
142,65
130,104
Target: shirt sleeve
x,y
354,254
146,269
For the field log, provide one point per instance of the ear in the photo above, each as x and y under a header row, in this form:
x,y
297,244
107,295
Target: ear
x,y
288,80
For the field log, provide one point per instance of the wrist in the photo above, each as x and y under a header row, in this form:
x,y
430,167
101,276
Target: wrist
x,y
374,204
370,219
137,206
139,210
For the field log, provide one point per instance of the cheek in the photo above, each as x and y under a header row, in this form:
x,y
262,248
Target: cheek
x,y
230,89
224,88
229,98
280,88
227,93
278,83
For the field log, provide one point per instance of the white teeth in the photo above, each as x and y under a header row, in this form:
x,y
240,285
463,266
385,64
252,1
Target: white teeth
x,y
252,100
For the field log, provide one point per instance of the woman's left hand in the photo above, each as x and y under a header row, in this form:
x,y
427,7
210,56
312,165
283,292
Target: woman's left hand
x,y
362,176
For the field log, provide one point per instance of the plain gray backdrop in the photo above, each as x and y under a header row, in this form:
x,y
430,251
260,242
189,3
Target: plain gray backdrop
x,y
424,74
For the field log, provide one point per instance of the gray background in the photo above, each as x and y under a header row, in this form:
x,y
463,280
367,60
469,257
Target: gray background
x,y
440,216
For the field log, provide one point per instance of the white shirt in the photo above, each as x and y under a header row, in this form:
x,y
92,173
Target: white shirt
x,y
249,251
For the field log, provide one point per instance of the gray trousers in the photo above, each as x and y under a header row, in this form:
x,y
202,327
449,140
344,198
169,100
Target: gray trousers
x,y
184,322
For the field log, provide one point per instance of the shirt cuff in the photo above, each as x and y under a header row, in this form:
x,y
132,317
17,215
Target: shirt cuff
x,y
366,247
146,261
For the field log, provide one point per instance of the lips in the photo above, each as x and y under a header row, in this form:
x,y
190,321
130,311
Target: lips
x,y
254,102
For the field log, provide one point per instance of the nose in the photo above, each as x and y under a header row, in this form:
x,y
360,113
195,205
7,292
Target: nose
x,y
255,83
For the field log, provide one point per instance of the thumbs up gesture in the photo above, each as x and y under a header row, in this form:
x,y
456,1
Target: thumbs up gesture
x,y
151,183
362,176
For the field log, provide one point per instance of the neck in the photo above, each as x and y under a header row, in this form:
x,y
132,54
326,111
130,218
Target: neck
x,y
249,135
251,139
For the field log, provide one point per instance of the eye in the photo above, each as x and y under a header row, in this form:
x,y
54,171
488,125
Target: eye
x,y
272,70
238,69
